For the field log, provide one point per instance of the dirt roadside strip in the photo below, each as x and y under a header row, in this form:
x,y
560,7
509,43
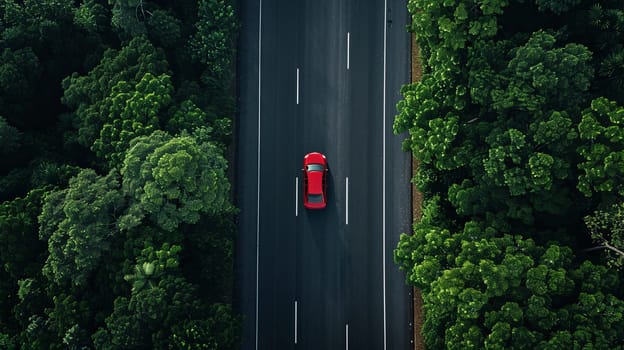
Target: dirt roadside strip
x,y
417,199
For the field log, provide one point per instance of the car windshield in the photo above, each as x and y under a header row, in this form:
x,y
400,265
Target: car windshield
x,y
315,167
315,198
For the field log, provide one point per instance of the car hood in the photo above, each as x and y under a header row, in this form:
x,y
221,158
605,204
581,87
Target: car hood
x,y
315,157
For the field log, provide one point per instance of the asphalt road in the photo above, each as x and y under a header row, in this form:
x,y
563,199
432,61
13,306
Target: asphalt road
x,y
322,75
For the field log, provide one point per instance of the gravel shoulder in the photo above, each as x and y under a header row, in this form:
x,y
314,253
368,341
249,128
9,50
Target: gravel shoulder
x,y
417,199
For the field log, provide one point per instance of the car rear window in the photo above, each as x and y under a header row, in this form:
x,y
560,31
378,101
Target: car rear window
x,y
315,198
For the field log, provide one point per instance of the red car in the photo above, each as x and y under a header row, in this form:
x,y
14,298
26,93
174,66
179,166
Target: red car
x,y
315,181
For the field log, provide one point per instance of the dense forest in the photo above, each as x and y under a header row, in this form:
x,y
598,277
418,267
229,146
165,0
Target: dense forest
x,y
116,214
518,125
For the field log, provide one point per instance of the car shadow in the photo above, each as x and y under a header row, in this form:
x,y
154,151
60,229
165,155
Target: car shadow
x,y
328,234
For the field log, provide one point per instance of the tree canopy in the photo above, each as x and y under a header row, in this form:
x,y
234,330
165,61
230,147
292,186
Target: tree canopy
x,y
114,196
173,180
516,126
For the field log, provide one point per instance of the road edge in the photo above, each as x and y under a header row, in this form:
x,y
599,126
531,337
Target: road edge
x,y
417,200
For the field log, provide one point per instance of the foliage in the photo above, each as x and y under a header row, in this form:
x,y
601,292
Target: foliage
x,y
6,342
164,29
601,27
188,117
19,71
515,123
132,111
18,224
523,169
92,95
484,290
39,173
162,310
35,46
78,224
603,151
213,43
88,259
173,180
557,7
220,331
607,230
545,77
90,16
129,17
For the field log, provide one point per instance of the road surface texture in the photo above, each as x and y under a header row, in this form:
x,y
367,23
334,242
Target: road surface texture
x,y
322,75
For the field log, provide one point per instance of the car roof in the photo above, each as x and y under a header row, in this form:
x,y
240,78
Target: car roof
x,y
315,182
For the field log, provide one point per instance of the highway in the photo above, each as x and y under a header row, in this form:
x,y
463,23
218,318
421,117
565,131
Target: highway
x,y
322,76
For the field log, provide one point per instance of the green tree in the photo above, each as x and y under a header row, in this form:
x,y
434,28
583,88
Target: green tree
x,y
557,7
531,140
159,298
90,16
19,72
18,224
603,153
79,224
607,230
35,46
79,80
507,292
67,318
542,76
173,180
164,29
213,43
187,117
525,166
91,95
152,265
219,331
600,26
36,335
33,300
132,111
6,342
129,17
498,122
